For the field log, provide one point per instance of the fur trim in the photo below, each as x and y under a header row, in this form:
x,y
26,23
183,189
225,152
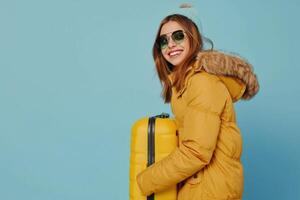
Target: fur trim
x,y
218,63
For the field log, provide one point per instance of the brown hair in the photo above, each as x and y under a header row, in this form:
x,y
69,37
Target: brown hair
x,y
162,66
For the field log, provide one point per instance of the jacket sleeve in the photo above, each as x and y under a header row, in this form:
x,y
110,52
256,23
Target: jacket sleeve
x,y
206,98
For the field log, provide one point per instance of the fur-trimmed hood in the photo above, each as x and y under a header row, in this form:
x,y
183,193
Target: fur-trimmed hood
x,y
232,70
236,73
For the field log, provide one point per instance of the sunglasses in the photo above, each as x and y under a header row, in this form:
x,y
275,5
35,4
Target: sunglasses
x,y
177,36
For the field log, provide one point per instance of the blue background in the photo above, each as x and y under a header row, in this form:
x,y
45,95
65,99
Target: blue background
x,y
75,75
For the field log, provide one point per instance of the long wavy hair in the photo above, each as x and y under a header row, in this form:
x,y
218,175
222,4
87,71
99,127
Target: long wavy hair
x,y
163,66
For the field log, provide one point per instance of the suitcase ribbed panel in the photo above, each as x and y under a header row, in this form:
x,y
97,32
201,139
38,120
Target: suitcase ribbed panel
x,y
165,141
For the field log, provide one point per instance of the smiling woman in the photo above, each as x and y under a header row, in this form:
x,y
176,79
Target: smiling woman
x,y
201,86
174,48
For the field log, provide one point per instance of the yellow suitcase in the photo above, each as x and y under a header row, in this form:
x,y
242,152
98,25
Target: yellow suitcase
x,y
152,139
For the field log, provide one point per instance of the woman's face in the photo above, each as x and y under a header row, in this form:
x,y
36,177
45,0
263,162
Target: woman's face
x,y
174,52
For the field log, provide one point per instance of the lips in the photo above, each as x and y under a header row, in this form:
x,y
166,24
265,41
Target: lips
x,y
175,52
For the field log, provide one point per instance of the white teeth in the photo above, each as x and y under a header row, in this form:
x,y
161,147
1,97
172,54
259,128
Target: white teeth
x,y
175,53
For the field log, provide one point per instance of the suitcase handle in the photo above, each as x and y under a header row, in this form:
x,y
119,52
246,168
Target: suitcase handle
x,y
151,137
162,115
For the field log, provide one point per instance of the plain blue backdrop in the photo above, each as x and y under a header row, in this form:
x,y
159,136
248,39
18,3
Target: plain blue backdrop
x,y
75,75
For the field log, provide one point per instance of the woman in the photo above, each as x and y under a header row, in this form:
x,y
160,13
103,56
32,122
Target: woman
x,y
201,87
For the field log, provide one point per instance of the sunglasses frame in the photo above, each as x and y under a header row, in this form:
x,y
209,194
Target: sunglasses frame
x,y
172,37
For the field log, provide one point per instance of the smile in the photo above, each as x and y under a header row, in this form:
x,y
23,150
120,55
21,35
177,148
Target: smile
x,y
175,53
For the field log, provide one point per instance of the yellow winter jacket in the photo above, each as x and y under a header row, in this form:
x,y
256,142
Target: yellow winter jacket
x,y
206,164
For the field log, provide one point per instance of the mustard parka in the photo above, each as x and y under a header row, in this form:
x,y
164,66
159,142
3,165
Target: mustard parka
x,y
206,164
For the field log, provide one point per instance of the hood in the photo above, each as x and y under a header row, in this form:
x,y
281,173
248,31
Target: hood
x,y
236,73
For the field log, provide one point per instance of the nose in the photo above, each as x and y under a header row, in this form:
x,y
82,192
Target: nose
x,y
171,43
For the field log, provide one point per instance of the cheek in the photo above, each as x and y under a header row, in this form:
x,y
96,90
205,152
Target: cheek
x,y
186,45
165,55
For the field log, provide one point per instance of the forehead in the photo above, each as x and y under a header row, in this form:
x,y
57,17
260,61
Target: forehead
x,y
169,27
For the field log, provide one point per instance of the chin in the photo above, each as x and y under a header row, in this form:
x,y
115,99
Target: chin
x,y
175,63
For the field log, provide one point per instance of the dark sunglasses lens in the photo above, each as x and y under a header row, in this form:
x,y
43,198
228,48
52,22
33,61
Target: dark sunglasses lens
x,y
163,42
178,36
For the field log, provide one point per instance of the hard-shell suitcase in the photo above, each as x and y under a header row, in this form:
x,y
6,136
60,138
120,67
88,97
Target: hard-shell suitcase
x,y
152,139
